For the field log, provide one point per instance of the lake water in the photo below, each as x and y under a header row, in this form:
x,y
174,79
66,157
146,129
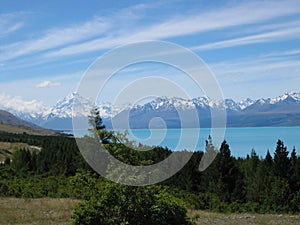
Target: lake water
x,y
240,140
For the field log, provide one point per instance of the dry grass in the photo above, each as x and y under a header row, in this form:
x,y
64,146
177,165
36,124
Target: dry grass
x,y
243,218
21,129
59,211
36,211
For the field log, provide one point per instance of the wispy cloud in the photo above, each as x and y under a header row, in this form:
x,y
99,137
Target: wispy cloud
x,y
248,70
48,83
289,33
56,37
178,25
110,33
10,22
255,78
284,53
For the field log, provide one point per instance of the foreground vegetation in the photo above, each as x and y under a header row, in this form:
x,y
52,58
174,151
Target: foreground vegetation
x,y
229,185
213,218
36,211
59,211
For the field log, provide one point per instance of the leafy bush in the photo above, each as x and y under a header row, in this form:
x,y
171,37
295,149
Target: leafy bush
x,y
130,205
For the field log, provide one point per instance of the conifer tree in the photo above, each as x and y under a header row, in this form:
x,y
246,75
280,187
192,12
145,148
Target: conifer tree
x,y
98,128
281,160
294,172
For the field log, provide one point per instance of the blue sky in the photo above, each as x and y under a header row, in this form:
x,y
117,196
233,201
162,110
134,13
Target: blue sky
x,y
252,47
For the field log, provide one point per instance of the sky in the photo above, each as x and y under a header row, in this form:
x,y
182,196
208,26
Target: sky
x,y
251,47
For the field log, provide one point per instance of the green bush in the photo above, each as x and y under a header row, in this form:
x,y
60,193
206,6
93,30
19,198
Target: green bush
x,y
89,213
130,205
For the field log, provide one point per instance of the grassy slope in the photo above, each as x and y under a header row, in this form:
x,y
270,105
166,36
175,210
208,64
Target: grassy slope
x,y
59,211
22,129
211,218
36,211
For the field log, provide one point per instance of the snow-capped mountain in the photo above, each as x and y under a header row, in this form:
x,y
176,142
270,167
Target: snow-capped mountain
x,y
280,111
245,103
64,108
244,113
189,104
287,97
60,115
164,103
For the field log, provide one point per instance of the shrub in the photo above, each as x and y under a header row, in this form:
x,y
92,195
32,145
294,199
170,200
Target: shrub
x,y
130,205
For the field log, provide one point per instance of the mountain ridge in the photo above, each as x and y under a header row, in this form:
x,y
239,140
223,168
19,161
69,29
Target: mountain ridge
x,y
247,112
12,124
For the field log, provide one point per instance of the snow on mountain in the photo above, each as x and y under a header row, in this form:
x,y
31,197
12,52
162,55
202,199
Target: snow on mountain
x,y
164,103
36,112
170,104
202,102
82,108
232,105
245,103
64,107
289,96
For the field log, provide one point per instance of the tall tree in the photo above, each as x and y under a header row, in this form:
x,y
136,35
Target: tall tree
x,y
251,171
98,128
268,160
21,161
294,179
281,160
231,180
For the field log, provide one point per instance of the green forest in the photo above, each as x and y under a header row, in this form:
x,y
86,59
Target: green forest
x,y
269,184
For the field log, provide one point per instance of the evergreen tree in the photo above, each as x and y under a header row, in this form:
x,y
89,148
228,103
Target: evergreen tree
x,y
252,177
210,177
281,161
269,160
95,120
98,128
230,178
21,161
294,172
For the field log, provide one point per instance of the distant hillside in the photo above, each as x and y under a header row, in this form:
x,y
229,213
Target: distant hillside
x,y
12,124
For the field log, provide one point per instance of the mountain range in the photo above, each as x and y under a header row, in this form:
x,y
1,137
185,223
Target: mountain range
x,y
280,111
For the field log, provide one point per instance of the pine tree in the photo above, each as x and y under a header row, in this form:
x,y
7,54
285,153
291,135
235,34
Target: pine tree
x,y
294,179
281,161
230,178
21,161
98,128
95,120
251,169
210,176
268,160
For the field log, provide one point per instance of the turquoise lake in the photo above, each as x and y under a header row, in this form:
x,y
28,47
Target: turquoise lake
x,y
241,140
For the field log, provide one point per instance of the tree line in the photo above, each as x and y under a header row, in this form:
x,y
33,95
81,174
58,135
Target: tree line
x,y
269,184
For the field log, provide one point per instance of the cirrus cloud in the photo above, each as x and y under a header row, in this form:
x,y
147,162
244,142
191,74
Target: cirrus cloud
x,y
48,83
